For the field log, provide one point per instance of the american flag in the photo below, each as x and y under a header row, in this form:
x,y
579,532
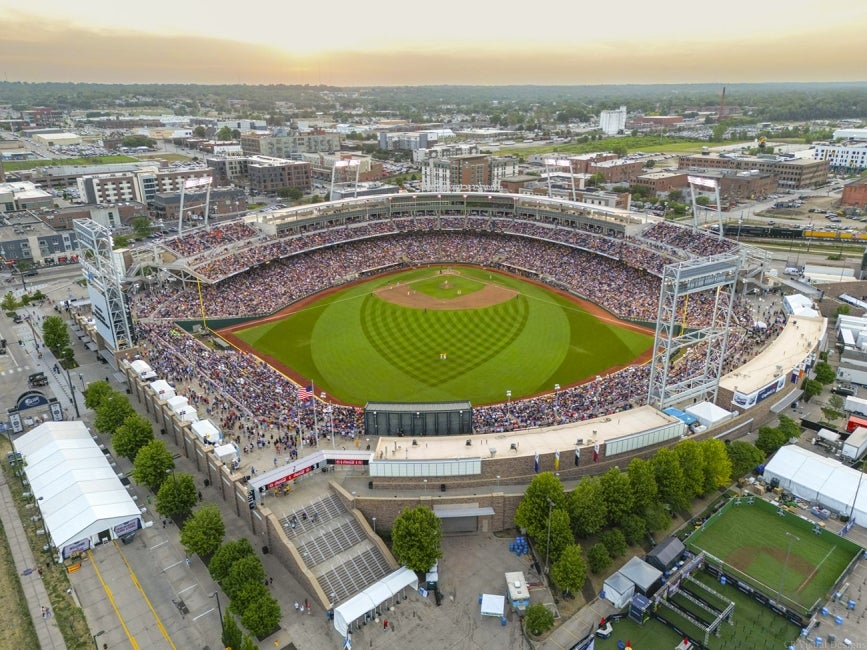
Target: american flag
x,y
305,393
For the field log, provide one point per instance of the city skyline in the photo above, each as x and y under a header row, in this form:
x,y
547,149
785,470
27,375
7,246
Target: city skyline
x,y
386,44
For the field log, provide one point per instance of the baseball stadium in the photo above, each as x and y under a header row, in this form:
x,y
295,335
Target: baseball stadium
x,y
473,338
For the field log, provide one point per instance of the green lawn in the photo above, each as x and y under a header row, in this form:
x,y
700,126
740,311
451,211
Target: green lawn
x,y
780,552
643,143
18,165
361,348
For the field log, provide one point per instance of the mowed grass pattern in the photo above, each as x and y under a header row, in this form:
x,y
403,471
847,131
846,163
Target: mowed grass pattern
x,y
753,539
360,348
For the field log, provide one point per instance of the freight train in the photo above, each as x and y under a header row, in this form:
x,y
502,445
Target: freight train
x,y
779,232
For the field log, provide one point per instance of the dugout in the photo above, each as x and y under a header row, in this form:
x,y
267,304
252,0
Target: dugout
x,y
418,418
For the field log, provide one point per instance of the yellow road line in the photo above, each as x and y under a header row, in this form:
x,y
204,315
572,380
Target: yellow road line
x,y
108,593
144,595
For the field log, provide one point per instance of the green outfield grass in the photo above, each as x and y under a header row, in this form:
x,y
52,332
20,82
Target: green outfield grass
x,y
777,553
358,347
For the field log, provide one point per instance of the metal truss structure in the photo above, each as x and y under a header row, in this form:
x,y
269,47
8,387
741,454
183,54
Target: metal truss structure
x,y
703,363
104,279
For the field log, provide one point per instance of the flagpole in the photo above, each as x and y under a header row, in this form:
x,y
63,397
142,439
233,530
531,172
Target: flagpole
x,y
315,422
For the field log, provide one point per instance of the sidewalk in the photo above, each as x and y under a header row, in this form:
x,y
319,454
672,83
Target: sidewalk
x,y
49,635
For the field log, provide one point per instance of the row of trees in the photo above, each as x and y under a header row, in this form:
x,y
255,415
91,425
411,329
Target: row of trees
x,y
619,507
241,575
234,564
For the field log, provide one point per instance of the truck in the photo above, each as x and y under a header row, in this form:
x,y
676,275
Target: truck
x,y
855,405
855,445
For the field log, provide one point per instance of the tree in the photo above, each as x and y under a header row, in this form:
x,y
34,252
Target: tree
x,y
598,558
596,179
770,439
538,619
675,196
692,464
224,134
670,479
111,413
744,457
617,494
634,528
811,389
177,496
561,533
151,464
141,225
249,593
825,373
55,334
615,541
9,302
262,616
134,141
657,517
133,434
587,507
246,569
96,393
570,571
232,635
702,199
834,410
792,430
200,132
532,512
642,483
416,537
717,464
226,556
203,531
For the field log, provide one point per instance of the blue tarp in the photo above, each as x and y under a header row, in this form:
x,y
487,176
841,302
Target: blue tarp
x,y
686,418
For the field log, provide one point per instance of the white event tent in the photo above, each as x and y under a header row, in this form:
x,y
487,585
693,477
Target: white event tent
x,y
80,497
375,595
820,480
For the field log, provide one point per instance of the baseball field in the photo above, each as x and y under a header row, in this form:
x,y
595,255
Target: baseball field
x,y
775,550
443,333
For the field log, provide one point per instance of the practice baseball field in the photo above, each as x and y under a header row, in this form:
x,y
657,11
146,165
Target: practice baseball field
x,y
443,333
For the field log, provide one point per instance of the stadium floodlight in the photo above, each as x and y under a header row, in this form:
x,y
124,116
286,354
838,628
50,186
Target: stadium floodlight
x,y
559,162
709,184
192,184
343,164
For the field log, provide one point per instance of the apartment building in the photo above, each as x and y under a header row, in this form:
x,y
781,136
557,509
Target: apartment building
x,y
23,195
285,143
268,175
23,237
845,157
109,216
322,167
445,151
227,170
790,172
140,186
472,172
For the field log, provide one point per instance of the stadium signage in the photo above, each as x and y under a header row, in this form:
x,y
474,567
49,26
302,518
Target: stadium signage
x,y
127,527
348,461
290,477
748,400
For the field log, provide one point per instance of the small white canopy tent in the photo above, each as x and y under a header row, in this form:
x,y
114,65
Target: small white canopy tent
x,y
493,605
708,413
820,480
618,590
798,304
163,389
207,432
368,600
641,574
178,403
80,496
143,370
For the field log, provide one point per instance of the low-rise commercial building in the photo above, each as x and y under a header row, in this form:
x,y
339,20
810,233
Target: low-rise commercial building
x,y
223,202
855,194
790,172
662,181
23,195
110,216
24,237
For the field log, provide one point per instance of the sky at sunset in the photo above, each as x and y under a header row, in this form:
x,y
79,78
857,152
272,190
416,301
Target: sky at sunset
x,y
386,42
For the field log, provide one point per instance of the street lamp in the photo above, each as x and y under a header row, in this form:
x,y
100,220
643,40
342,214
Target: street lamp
x,y
219,609
792,538
548,546
556,401
425,486
72,393
509,402
100,633
374,525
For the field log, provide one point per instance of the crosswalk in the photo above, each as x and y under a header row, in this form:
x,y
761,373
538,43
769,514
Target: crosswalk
x,y
14,370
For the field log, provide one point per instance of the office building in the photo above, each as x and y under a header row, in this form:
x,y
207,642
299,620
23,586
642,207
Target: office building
x,y
790,172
